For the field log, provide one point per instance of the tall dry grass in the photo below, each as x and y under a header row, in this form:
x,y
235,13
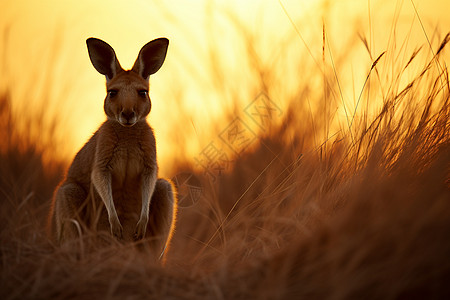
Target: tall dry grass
x,y
363,213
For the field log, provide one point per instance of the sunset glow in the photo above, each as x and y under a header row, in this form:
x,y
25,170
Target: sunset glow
x,y
302,149
208,75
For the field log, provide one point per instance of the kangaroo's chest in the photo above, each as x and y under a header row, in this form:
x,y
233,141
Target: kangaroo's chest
x,y
127,164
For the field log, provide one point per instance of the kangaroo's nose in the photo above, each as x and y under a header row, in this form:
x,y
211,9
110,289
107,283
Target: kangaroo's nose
x,y
128,115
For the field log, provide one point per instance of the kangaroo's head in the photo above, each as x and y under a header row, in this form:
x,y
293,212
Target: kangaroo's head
x,y
127,100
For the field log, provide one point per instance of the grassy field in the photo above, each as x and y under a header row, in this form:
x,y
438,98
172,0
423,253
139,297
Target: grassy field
x,y
312,209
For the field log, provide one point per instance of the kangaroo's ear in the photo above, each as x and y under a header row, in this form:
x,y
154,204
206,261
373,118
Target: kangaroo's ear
x,y
103,58
151,57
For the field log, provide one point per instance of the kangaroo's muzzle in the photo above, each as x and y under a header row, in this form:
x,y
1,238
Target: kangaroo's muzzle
x,y
127,118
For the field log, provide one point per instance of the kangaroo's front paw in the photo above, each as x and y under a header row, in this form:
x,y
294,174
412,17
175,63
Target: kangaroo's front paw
x,y
116,228
141,228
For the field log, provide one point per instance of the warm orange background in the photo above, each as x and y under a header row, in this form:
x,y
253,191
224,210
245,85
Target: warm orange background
x,y
44,62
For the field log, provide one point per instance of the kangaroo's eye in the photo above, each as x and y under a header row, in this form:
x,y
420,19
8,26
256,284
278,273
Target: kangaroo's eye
x,y
143,93
112,93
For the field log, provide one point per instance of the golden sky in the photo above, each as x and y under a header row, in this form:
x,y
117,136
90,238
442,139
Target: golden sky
x,y
45,66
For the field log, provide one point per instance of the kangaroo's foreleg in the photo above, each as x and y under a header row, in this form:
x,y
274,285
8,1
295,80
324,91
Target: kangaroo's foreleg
x,y
148,187
101,179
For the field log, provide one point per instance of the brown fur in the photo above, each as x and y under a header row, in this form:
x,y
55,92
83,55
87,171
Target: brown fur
x,y
112,183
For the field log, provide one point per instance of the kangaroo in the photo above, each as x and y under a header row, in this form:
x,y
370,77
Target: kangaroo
x,y
112,183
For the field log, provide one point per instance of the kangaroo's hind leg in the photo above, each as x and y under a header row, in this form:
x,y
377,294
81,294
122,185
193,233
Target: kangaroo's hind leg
x,y
161,223
69,201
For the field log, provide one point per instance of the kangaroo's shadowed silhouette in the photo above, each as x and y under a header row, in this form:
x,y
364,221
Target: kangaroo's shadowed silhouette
x,y
112,184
